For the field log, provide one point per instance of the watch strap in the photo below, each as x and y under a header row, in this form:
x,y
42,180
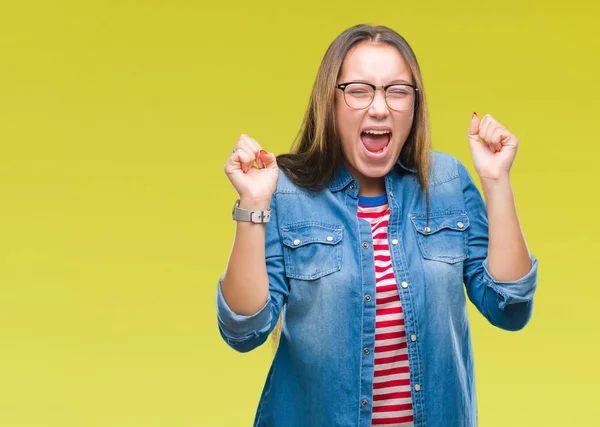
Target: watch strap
x,y
254,216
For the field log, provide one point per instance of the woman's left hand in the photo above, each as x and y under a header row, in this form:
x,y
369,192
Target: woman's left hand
x,y
493,147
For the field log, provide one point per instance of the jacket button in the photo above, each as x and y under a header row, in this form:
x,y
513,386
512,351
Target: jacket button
x,y
394,241
352,186
413,337
417,387
329,238
367,298
460,224
363,402
296,242
404,285
427,229
365,245
366,351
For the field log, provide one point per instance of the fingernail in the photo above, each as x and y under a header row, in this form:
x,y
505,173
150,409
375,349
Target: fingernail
x,y
474,114
263,152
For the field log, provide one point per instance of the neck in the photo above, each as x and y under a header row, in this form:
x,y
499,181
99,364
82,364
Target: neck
x,y
370,187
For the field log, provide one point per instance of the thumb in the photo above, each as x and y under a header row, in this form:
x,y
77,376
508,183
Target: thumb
x,y
268,159
474,127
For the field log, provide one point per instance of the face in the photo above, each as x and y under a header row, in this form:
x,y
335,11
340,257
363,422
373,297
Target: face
x,y
372,138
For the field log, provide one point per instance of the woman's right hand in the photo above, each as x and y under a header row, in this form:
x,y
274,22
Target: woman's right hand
x,y
254,185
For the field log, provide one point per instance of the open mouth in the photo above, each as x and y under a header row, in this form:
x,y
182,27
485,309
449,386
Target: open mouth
x,y
376,141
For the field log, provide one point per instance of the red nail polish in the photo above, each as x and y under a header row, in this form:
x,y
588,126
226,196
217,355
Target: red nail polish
x,y
263,152
474,114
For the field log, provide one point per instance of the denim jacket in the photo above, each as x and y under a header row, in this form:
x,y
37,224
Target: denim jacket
x,y
320,265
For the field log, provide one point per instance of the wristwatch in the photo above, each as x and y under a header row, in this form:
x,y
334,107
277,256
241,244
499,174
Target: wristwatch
x,y
257,217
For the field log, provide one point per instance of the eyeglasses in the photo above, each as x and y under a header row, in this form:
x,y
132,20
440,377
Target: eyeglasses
x,y
360,95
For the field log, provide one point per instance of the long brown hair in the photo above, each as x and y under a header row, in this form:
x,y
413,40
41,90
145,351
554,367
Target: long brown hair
x,y
316,155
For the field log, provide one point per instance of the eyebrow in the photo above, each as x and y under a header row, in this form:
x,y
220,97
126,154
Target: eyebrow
x,y
392,82
400,81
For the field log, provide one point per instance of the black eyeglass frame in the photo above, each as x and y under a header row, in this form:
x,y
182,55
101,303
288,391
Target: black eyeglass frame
x,y
343,86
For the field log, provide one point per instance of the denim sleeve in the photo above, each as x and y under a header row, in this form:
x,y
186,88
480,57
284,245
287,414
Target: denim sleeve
x,y
507,305
245,333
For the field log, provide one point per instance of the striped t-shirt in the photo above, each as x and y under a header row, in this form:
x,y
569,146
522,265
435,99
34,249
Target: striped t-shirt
x,y
392,405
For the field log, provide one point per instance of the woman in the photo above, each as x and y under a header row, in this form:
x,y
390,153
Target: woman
x,y
368,238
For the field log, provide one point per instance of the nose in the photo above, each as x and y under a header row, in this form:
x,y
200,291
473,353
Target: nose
x,y
379,106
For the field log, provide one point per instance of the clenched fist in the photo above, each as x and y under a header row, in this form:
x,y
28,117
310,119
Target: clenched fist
x,y
253,173
493,147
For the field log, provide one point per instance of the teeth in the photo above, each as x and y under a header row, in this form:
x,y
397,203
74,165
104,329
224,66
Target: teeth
x,y
377,132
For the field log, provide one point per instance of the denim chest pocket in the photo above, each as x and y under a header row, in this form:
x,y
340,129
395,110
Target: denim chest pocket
x,y
311,250
444,238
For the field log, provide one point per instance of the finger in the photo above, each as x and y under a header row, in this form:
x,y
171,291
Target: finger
x,y
255,145
491,139
246,144
238,144
251,146
268,159
484,129
250,143
474,126
243,158
257,149
497,137
233,162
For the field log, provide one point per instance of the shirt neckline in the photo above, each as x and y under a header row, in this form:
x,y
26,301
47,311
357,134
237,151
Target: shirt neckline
x,y
372,201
